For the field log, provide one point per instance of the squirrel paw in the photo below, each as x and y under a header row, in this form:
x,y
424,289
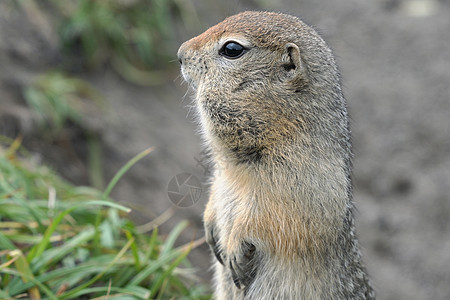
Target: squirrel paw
x,y
211,239
242,265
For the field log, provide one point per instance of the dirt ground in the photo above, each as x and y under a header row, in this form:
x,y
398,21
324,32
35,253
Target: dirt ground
x,y
395,59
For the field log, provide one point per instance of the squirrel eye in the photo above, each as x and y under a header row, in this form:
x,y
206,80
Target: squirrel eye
x,y
232,50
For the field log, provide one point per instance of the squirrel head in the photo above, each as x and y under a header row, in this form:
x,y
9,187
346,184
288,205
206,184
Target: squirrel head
x,y
261,79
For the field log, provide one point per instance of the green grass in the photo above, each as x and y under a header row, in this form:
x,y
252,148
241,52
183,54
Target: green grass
x,y
59,101
59,241
136,37
57,98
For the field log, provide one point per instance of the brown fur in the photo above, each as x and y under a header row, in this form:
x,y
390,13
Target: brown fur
x,y
280,214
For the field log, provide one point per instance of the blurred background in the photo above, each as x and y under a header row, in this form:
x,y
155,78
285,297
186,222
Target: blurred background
x,y
89,84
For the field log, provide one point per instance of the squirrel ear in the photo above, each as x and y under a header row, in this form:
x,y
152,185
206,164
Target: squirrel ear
x,y
292,63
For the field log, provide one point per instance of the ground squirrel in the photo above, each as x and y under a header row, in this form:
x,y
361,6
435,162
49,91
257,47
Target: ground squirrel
x,y
280,215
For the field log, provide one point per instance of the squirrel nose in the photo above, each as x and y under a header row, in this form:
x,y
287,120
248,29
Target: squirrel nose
x,y
180,54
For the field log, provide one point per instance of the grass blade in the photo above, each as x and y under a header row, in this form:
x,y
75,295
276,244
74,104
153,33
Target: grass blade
x,y
134,250
168,245
98,276
39,248
152,244
5,243
156,286
152,267
138,292
124,169
22,266
41,286
55,254
21,200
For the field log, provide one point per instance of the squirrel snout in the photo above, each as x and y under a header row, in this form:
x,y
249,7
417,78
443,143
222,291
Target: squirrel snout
x,y
180,57
181,53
